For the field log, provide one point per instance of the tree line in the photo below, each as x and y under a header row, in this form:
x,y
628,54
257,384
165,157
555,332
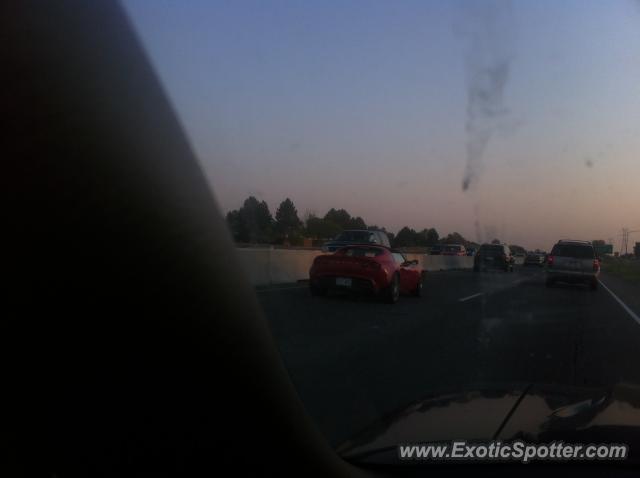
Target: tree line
x,y
253,224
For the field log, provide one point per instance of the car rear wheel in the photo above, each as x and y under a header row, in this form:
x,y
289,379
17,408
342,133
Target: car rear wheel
x,y
418,291
393,291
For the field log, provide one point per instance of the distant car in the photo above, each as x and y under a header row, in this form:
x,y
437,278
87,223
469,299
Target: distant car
x,y
573,262
471,251
368,269
356,236
534,259
493,256
454,250
435,250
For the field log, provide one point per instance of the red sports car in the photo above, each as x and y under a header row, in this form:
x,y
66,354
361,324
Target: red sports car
x,y
364,268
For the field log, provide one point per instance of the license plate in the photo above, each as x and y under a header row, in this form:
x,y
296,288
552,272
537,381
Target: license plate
x,y
343,281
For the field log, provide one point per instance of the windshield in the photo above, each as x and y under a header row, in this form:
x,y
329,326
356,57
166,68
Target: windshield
x,y
570,250
489,128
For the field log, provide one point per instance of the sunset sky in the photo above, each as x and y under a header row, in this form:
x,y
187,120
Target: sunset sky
x,y
371,106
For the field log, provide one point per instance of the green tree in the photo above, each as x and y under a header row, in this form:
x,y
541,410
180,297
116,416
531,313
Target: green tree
x,y
236,226
432,236
251,223
340,217
406,237
357,223
287,223
343,219
454,238
320,228
429,237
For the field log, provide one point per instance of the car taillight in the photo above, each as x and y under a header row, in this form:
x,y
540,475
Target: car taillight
x,y
550,260
596,264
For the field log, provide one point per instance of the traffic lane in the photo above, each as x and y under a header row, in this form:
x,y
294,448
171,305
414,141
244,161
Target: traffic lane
x,y
529,333
349,376
328,325
353,358
626,290
442,353
447,286
564,335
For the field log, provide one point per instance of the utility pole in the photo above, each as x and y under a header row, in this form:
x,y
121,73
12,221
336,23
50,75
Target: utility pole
x,y
628,233
625,239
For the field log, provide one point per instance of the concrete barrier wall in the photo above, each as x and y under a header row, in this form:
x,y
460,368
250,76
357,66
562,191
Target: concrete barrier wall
x,y
276,266
442,263
282,266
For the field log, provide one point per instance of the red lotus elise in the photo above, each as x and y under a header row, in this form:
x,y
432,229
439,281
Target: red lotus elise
x,y
365,268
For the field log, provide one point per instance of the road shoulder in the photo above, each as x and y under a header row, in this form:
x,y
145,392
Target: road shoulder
x,y
628,292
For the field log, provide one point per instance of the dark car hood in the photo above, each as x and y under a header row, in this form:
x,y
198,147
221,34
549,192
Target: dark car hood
x,y
533,413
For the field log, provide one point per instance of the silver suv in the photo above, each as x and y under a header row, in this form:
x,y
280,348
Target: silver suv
x,y
573,262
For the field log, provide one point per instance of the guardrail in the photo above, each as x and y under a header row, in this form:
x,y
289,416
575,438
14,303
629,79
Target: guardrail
x,y
266,266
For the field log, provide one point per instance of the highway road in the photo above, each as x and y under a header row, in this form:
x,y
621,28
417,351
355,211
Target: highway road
x,y
355,359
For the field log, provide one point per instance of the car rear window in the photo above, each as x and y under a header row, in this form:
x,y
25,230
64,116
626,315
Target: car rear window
x,y
492,250
363,252
452,248
573,250
360,236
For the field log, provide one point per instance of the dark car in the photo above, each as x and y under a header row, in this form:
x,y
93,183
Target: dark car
x,y
367,269
534,259
493,256
435,250
356,236
454,250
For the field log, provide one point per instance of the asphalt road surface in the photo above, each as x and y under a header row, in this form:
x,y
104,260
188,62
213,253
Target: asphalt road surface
x,y
355,359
